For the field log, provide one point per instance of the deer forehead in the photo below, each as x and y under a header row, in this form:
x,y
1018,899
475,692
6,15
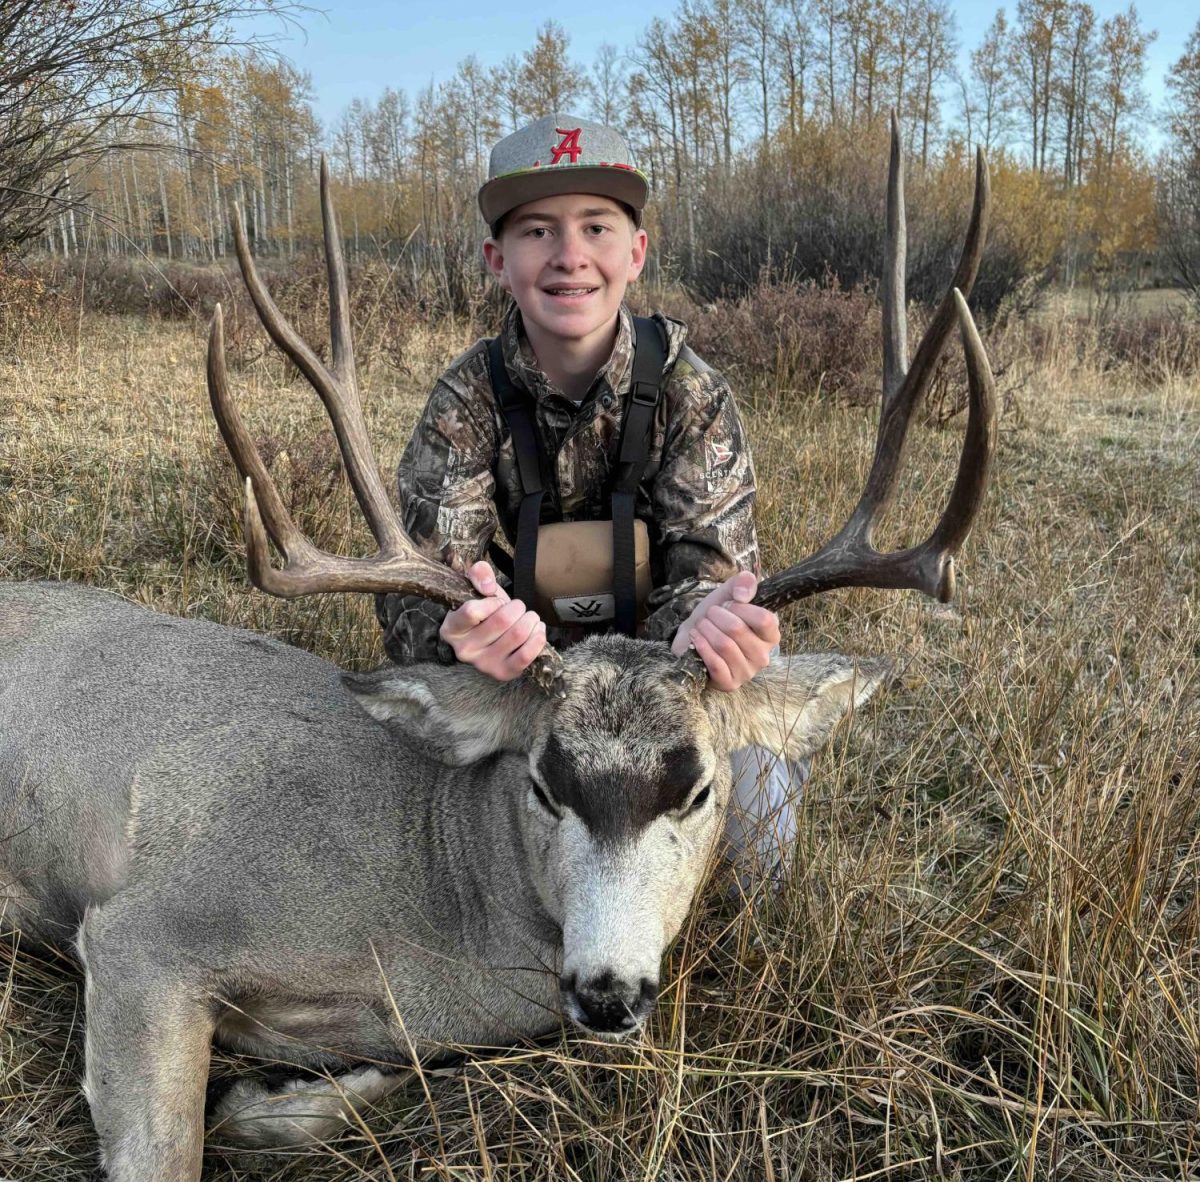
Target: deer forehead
x,y
618,789
614,706
628,743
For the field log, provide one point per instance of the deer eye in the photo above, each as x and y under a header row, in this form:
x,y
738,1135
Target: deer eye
x,y
698,801
544,800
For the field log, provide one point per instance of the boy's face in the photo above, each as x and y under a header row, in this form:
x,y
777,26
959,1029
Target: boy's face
x,y
567,261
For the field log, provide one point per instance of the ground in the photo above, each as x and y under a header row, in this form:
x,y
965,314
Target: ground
x,y
984,962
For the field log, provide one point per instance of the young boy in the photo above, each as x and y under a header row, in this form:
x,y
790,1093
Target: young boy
x,y
564,206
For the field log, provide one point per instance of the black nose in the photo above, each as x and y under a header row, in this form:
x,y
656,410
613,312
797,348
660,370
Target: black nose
x,y
606,1004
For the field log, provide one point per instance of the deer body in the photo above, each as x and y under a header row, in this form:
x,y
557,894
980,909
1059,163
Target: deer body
x,y
241,851
286,834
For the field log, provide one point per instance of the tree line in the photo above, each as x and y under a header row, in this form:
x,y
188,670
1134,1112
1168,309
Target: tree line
x,y
753,119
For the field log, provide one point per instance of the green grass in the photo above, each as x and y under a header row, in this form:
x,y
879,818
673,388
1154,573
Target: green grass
x,y
985,962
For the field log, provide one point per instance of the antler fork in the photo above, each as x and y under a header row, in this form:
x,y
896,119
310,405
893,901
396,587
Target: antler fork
x,y
398,566
849,559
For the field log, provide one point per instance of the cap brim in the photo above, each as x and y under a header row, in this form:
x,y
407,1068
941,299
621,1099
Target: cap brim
x,y
503,194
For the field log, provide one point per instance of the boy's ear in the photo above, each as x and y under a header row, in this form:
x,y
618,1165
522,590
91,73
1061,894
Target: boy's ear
x,y
641,241
793,705
493,256
457,714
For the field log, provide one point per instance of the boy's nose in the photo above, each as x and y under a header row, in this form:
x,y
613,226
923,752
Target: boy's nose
x,y
570,254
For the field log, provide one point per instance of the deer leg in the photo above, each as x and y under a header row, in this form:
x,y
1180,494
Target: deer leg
x,y
301,1111
148,1036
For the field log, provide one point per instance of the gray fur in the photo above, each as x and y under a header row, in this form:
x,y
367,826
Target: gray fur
x,y
247,845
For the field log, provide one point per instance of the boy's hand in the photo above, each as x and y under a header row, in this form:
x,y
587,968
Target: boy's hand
x,y
733,637
495,634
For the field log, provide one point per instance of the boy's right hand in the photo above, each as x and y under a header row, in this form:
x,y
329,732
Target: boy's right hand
x,y
496,634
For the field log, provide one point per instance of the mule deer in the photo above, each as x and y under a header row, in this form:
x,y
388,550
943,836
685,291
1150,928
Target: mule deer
x,y
343,871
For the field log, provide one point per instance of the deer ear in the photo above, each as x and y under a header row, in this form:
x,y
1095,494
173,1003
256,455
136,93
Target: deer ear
x,y
793,705
459,715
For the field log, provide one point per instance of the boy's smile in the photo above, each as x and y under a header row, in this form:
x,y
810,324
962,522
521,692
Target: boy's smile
x,y
567,261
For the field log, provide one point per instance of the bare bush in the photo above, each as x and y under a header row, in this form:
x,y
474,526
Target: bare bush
x,y
1148,348
30,307
308,472
74,77
816,340
389,303
1155,347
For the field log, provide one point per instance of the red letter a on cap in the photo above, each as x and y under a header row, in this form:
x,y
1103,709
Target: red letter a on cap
x,y
568,146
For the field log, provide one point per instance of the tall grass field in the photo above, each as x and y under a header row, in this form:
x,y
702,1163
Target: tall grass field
x,y
984,962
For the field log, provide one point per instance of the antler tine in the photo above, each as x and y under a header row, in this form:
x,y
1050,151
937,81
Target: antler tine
x,y
339,394
979,446
900,402
916,381
891,284
294,546
849,559
340,338
931,564
307,569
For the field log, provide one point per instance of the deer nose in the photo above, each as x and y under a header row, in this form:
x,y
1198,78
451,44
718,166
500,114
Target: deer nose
x,y
606,1004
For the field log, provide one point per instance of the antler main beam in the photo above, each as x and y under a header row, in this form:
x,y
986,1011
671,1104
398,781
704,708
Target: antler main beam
x,y
849,559
398,566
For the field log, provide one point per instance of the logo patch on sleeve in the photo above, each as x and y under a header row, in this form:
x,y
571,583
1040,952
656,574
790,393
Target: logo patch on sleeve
x,y
719,453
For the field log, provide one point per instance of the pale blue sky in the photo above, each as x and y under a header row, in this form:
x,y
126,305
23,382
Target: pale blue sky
x,y
355,48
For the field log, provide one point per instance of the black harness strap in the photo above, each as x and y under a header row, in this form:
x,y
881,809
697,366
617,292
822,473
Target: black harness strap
x,y
649,359
515,409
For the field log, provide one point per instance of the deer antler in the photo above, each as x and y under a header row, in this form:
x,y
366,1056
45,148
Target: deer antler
x,y
849,559
398,566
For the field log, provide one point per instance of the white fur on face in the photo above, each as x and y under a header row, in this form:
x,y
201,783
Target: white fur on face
x,y
622,904
619,892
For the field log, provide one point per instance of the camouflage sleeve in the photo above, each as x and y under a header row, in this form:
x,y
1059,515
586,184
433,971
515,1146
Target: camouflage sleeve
x,y
703,496
446,490
410,629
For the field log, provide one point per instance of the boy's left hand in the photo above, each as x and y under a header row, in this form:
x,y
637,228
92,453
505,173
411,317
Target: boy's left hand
x,y
733,636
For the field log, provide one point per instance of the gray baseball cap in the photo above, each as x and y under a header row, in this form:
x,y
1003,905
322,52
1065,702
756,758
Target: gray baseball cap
x,y
561,154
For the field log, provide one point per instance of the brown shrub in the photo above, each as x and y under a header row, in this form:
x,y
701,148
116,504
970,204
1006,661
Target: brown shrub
x,y
816,340
30,307
1155,347
816,206
1150,348
948,394
310,478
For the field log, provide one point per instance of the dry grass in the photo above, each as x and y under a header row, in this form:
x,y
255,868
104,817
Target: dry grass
x,y
1088,302
985,963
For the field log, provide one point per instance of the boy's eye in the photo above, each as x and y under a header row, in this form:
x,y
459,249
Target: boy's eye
x,y
597,230
537,231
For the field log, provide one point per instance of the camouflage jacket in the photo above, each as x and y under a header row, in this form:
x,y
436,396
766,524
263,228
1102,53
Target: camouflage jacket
x,y
459,478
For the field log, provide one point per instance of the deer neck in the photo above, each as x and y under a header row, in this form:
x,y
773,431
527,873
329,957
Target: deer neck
x,y
478,833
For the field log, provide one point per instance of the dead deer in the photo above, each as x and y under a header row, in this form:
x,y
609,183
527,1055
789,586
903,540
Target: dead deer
x,y
342,872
